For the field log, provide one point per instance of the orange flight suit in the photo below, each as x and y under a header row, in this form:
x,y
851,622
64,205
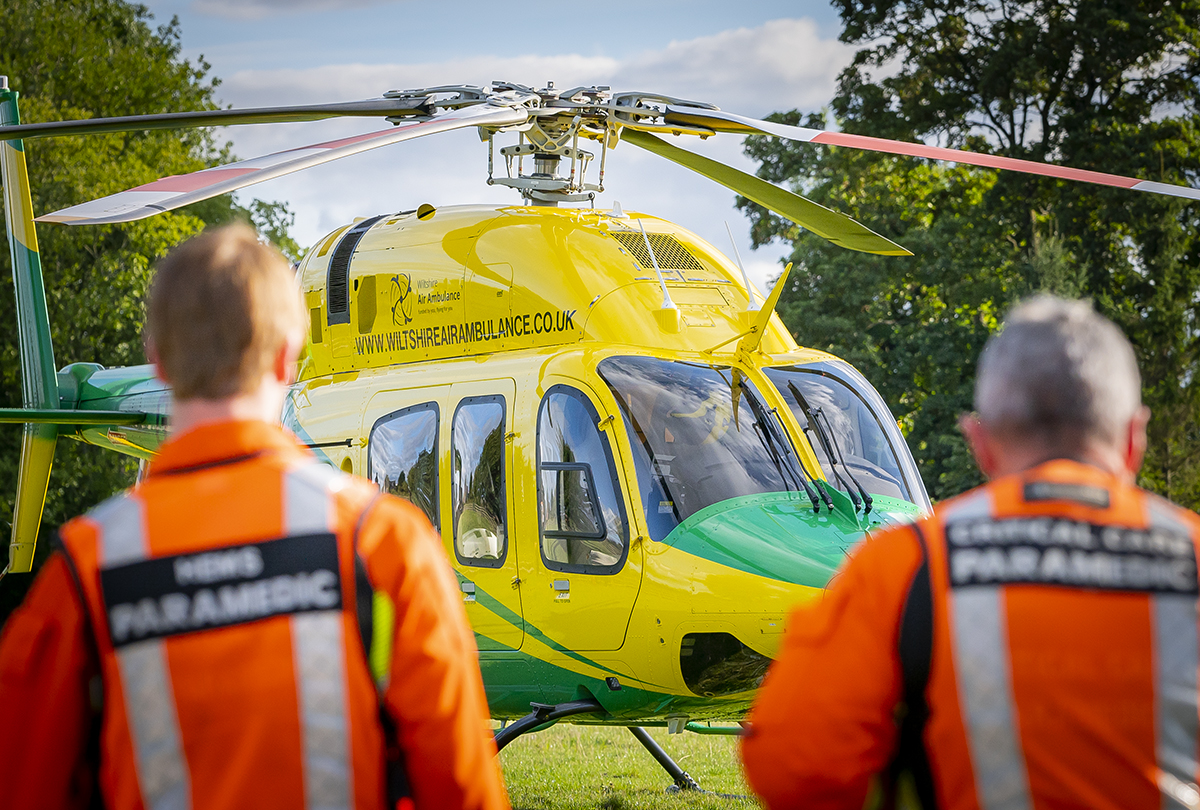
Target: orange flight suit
x,y
1043,628
218,602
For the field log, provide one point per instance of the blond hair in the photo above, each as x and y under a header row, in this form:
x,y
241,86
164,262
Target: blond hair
x,y
221,307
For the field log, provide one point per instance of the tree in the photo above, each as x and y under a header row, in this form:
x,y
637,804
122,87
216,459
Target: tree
x,y
1098,85
82,59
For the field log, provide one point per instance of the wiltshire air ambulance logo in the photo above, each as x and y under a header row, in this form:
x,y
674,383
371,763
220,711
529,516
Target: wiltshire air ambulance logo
x,y
401,293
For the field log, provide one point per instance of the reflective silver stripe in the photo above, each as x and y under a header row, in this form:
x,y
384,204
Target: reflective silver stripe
x,y
318,646
161,769
1175,705
969,507
307,501
1161,516
1176,661
984,675
122,522
985,692
150,706
321,680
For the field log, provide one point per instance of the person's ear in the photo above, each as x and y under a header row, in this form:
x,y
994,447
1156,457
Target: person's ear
x,y
981,442
153,359
284,366
1135,441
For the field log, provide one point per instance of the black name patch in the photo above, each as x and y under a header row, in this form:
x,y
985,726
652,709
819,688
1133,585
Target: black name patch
x,y
167,596
1053,551
1096,497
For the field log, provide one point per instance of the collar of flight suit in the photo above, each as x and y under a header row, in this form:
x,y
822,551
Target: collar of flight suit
x,y
1065,469
220,442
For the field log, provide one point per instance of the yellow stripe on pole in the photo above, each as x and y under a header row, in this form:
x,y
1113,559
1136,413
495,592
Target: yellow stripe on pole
x,y
37,457
18,200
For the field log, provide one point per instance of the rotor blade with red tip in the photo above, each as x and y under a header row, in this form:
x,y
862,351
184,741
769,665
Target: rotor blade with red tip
x,y
180,190
722,121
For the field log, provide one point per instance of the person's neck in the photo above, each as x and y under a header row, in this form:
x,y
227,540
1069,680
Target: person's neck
x,y
1102,458
263,405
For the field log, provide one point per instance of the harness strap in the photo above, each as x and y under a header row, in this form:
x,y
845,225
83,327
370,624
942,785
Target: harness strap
x,y
376,613
911,761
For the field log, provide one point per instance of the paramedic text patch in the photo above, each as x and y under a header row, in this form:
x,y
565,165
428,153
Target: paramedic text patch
x,y
170,595
1054,551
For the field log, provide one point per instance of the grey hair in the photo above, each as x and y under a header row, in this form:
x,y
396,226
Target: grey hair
x,y
1060,374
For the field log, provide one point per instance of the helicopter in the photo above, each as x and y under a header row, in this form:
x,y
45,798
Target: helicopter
x,y
636,471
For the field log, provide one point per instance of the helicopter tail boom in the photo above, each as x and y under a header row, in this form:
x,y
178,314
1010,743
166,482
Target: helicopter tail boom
x,y
39,385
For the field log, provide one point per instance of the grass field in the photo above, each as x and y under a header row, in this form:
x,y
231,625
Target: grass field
x,y
597,768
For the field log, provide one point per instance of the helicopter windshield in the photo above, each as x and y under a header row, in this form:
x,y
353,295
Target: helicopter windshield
x,y
849,426
699,434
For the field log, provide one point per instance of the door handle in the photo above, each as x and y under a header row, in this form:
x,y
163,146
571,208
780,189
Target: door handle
x,y
468,591
562,589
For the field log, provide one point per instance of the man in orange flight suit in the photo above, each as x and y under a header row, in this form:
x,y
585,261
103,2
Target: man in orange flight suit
x,y
1031,645
202,640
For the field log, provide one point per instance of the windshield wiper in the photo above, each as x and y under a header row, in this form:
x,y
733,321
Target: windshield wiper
x,y
780,464
833,451
866,496
771,438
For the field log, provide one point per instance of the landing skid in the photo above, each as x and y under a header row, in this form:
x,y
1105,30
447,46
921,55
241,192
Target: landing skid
x,y
542,714
545,713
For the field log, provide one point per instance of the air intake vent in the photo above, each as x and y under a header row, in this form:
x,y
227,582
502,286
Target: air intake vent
x,y
669,251
337,280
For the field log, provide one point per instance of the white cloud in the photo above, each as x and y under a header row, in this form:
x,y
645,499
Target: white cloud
x,y
257,9
751,71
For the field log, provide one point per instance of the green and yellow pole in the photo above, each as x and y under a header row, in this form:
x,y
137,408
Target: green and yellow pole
x,y
39,385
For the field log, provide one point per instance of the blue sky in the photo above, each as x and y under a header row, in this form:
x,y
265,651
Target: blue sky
x,y
751,57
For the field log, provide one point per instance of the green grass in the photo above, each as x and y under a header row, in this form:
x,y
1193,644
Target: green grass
x,y
602,768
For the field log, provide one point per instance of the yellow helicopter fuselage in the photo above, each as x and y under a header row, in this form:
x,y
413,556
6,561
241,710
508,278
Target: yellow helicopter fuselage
x,y
445,346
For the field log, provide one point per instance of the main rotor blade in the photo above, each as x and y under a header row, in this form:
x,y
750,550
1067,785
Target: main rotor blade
x,y
370,108
838,228
183,189
722,121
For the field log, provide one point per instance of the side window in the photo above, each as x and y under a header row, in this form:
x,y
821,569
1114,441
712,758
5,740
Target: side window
x,y
582,517
402,456
477,482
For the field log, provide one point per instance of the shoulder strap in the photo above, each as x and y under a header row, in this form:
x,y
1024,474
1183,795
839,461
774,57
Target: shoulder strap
x,y
911,761
365,597
375,614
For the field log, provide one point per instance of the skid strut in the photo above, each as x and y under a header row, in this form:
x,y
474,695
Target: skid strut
x,y
682,780
544,713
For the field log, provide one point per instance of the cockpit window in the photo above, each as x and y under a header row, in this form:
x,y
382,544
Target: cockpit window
x,y
699,435
845,424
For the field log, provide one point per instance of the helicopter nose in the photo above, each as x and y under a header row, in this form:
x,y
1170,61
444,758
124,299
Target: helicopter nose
x,y
774,535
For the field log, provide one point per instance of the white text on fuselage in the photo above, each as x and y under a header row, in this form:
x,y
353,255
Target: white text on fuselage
x,y
481,331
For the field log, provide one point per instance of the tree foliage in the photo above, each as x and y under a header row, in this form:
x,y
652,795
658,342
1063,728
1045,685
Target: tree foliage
x,y
1099,85
82,59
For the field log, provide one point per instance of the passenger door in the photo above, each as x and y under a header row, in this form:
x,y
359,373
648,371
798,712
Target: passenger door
x,y
581,588
479,510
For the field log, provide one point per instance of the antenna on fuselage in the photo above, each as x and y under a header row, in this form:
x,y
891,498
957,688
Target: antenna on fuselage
x,y
751,301
667,303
